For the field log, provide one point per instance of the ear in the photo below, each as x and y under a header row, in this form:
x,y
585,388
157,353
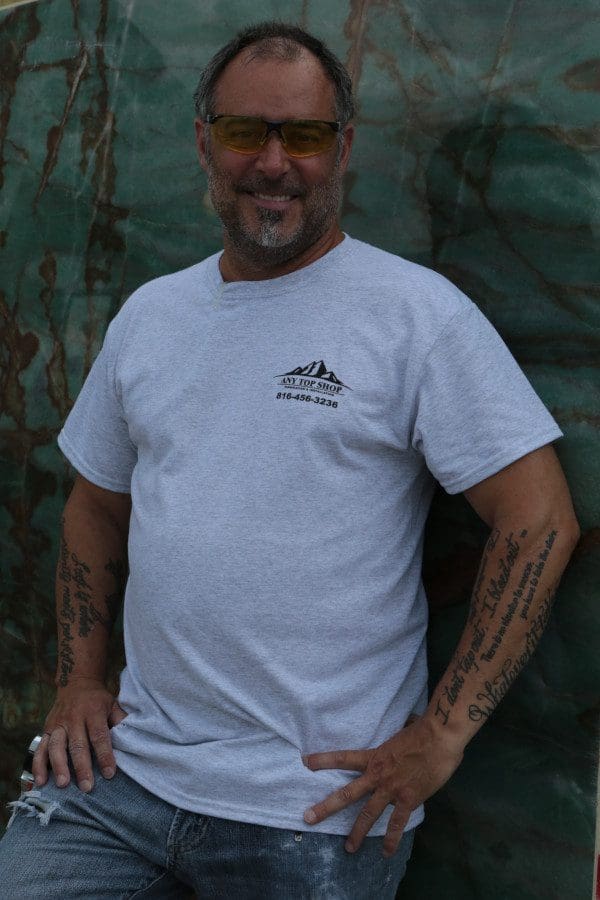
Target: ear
x,y
201,137
348,137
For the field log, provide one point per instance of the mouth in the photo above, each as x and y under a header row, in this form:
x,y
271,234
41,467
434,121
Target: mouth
x,y
272,201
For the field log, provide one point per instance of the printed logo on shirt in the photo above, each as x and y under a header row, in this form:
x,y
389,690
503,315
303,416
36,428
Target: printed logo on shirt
x,y
314,383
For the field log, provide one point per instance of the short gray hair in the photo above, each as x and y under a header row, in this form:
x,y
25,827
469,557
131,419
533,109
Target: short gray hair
x,y
282,41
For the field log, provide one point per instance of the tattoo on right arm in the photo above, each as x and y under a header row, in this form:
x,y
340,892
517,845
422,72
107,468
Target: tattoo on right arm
x,y
78,614
66,617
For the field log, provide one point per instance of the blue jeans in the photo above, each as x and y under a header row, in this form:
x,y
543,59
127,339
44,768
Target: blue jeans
x,y
121,841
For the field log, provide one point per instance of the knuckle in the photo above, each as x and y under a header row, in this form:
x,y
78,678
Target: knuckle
x,y
345,795
57,759
372,783
77,748
376,768
99,735
104,757
406,797
365,815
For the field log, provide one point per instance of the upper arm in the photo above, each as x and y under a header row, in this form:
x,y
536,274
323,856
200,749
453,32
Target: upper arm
x,y
532,488
111,504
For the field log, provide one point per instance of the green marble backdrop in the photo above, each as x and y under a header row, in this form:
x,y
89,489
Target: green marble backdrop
x,y
477,153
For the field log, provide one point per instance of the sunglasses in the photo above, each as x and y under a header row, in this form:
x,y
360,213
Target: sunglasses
x,y
300,137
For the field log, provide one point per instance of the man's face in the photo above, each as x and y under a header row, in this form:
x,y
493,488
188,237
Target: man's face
x,y
274,206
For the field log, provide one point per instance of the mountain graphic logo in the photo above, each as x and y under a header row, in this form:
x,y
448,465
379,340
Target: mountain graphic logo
x,y
315,369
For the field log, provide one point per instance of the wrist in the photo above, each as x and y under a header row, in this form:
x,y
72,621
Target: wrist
x,y
451,734
80,681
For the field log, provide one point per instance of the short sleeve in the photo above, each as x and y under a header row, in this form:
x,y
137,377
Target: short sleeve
x,y
95,438
476,412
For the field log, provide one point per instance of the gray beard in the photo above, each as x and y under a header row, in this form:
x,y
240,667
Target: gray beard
x,y
270,236
271,247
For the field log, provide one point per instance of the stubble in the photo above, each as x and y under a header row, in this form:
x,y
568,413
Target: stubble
x,y
267,241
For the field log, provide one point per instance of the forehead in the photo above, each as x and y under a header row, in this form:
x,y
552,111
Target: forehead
x,y
275,88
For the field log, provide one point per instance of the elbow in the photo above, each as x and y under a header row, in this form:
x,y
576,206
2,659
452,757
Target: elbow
x,y
572,532
567,531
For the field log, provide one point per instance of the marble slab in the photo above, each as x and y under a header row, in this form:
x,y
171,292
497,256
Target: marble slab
x,y
477,154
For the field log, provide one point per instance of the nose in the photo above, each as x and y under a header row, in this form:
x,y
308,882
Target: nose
x,y
272,159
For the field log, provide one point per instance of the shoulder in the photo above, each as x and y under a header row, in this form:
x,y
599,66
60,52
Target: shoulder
x,y
161,300
157,306
175,285
405,288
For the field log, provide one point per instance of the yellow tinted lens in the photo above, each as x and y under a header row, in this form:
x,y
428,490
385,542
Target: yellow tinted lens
x,y
240,133
307,138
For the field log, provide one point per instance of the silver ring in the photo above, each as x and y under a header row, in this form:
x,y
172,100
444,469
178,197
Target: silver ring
x,y
35,743
27,780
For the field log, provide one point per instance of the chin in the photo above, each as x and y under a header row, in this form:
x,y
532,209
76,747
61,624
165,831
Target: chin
x,y
271,235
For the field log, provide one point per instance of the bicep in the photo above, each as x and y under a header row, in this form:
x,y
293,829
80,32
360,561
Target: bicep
x,y
531,488
114,505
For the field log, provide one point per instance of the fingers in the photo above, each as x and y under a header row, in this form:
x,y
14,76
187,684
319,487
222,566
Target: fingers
x,y
59,744
100,740
340,799
78,747
367,817
353,760
395,829
57,755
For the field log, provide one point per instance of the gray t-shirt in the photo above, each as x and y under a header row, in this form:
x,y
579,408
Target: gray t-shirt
x,y
280,440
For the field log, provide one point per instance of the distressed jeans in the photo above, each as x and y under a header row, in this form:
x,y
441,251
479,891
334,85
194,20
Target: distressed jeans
x,y
121,841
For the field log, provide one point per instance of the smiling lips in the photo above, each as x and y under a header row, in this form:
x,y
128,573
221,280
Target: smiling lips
x,y
272,201
279,191
278,197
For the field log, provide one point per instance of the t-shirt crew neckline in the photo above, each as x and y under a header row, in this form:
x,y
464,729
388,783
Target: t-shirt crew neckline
x,y
270,287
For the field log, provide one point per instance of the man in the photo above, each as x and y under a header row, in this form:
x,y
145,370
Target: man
x,y
264,430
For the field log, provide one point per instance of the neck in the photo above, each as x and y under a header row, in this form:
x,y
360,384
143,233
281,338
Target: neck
x,y
236,267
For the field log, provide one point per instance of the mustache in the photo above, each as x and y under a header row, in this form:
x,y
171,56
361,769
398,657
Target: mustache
x,y
260,185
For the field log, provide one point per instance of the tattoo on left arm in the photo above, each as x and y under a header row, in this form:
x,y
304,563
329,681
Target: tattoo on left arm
x,y
506,591
495,690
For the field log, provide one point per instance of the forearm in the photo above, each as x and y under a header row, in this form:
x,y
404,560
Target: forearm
x,y
90,578
534,531
510,606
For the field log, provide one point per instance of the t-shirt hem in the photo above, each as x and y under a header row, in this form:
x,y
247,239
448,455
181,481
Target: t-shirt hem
x,y
500,461
256,816
78,463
